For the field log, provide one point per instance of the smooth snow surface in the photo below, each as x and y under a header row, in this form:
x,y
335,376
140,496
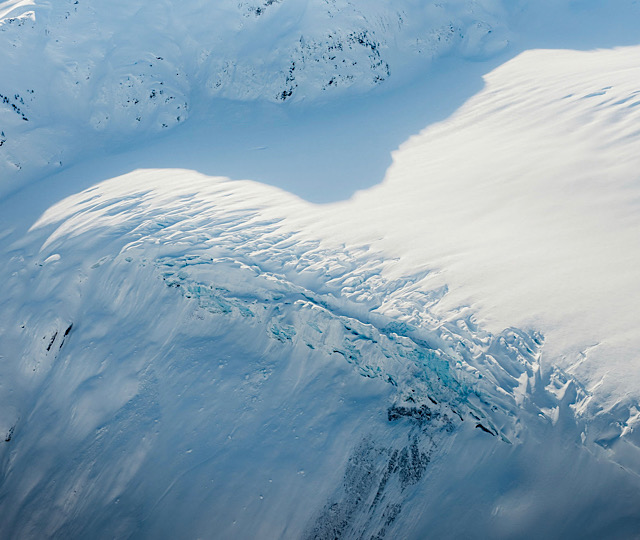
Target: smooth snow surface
x,y
451,352
529,198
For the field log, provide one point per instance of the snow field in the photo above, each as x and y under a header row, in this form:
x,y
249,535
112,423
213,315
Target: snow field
x,y
452,352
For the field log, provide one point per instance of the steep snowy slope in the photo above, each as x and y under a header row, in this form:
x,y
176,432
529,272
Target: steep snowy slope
x,y
181,358
188,353
451,353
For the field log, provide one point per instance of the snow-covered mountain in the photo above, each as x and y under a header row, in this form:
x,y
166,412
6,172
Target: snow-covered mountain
x,y
111,71
181,359
450,353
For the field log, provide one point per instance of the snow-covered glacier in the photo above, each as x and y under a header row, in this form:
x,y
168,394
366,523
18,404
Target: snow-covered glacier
x,y
180,359
450,353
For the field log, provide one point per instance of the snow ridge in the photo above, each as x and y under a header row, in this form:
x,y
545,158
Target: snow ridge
x,y
231,262
238,288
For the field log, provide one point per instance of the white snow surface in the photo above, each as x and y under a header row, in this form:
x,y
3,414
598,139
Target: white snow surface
x,y
191,347
529,198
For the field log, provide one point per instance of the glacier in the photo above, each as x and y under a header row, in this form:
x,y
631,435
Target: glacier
x,y
197,361
319,270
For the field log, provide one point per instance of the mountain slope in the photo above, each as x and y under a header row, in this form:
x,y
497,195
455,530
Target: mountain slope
x,y
450,353
183,360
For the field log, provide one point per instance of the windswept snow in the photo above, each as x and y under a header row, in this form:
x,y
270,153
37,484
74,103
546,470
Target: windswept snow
x,y
185,351
529,198
184,356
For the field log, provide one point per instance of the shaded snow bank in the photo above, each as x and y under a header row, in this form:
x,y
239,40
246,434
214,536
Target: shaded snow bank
x,y
79,78
78,73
